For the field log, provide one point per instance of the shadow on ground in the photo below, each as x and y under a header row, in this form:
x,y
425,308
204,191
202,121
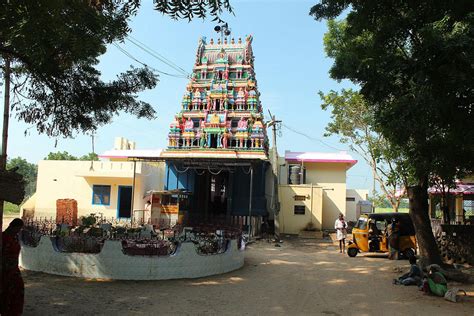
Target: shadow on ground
x,y
299,278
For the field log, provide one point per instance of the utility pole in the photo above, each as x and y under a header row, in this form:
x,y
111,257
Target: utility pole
x,y
275,202
3,158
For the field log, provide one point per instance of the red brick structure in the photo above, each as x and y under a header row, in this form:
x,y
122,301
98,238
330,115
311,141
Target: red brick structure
x,y
66,211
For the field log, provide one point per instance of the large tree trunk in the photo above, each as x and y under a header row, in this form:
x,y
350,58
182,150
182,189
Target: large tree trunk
x,y
418,197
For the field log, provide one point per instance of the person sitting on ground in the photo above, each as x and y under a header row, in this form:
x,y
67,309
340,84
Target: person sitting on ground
x,y
437,281
413,277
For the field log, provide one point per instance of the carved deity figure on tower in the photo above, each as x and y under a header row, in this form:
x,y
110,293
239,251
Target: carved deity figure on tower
x,y
243,124
240,101
225,139
196,99
209,101
215,120
189,125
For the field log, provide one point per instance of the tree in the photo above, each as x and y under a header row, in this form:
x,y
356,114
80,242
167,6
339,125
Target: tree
x,y
90,157
60,156
53,47
67,156
29,171
413,62
354,123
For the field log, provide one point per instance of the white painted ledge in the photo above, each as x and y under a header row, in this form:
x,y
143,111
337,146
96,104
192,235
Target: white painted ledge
x,y
112,263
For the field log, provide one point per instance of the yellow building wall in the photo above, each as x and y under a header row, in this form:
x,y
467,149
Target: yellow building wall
x,y
75,179
331,177
291,223
351,206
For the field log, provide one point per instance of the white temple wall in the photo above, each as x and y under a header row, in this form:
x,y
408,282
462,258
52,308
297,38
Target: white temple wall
x,y
112,263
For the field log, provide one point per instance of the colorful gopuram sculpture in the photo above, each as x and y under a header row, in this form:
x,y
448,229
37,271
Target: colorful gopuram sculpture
x,y
221,109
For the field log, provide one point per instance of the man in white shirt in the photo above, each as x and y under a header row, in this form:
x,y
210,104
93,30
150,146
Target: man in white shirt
x,y
340,226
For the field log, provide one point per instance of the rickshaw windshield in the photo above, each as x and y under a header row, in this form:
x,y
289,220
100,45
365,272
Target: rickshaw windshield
x,y
362,223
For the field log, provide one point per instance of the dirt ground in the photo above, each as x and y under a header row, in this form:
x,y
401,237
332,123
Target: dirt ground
x,y
302,277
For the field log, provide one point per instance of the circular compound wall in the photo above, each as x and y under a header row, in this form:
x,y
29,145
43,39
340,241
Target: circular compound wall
x,y
112,263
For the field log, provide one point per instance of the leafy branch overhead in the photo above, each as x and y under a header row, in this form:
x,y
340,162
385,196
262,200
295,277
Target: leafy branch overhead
x,y
54,47
413,62
193,9
354,123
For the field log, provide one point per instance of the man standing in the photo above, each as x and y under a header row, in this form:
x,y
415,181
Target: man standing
x,y
340,226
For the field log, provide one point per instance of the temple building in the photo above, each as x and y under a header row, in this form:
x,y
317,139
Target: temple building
x,y
217,143
216,166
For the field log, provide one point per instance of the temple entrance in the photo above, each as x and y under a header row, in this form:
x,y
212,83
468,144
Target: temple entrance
x,y
218,194
211,195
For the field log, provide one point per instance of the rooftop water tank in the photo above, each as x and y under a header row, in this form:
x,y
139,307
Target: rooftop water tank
x,y
295,174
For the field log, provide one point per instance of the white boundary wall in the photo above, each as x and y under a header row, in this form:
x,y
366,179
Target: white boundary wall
x,y
112,263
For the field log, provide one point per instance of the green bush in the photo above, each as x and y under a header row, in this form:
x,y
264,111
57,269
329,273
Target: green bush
x,y
9,208
389,210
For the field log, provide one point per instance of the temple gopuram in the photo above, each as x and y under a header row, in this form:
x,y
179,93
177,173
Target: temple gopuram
x,y
217,143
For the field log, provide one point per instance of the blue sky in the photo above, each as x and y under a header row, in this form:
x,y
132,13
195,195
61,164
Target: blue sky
x,y
290,65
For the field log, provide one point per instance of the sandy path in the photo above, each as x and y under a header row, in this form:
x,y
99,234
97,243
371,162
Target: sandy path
x,y
300,278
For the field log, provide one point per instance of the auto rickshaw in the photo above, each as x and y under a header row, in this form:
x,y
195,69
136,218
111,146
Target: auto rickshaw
x,y
370,234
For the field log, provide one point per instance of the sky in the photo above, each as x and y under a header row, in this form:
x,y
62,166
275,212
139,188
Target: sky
x,y
290,64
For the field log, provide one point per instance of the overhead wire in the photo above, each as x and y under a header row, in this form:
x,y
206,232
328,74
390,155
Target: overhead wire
x,y
311,138
156,54
126,53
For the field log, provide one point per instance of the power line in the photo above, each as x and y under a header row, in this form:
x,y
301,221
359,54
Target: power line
x,y
154,51
311,138
143,64
157,55
150,51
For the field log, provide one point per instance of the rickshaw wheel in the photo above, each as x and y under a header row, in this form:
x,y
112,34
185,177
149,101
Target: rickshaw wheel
x,y
352,252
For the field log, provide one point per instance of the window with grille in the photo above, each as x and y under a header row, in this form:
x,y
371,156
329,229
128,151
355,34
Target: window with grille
x,y
101,194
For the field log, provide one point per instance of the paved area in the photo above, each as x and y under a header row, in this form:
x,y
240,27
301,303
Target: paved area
x,y
302,277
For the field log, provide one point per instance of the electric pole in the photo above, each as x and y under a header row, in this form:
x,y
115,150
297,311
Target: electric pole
x,y
275,202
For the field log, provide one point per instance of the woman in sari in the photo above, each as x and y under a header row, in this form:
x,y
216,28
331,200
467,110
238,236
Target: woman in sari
x,y
13,289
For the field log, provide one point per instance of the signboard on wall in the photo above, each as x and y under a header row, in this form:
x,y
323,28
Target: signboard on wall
x,y
300,197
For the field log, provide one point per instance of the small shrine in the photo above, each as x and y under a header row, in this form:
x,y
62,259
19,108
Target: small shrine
x,y
217,142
